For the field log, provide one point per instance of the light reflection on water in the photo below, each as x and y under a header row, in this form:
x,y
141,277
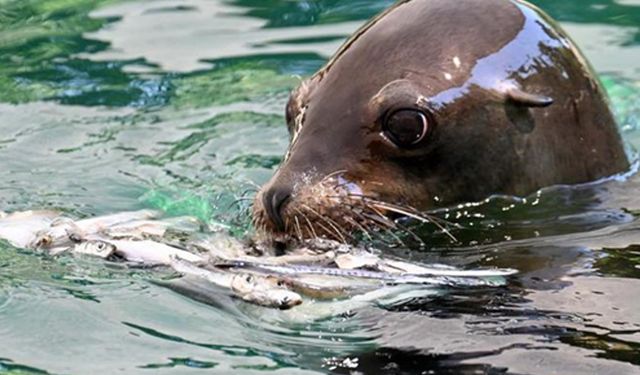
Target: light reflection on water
x,y
178,105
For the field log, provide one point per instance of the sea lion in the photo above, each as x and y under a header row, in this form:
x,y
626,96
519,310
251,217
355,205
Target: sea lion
x,y
435,102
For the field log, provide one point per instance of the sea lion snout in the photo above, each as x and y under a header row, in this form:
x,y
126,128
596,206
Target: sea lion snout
x,y
306,206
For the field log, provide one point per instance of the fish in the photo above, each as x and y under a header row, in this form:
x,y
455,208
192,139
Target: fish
x,y
401,267
357,259
145,228
150,252
20,228
225,248
145,252
95,224
59,236
318,310
265,291
438,277
328,288
101,249
64,231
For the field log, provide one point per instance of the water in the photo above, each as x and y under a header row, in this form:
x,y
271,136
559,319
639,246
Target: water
x,y
118,105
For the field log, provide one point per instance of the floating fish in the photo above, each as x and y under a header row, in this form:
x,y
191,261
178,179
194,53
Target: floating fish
x,y
437,277
101,249
261,290
320,270
20,228
64,231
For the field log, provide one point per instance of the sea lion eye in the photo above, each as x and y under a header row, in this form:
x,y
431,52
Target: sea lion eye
x,y
406,127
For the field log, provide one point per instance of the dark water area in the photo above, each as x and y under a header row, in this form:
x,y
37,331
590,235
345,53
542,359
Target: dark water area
x,y
108,106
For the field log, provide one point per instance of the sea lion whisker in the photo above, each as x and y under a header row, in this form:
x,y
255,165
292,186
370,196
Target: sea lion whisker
x,y
332,174
382,217
413,211
417,217
309,225
254,190
390,223
331,232
255,186
238,200
297,227
387,229
338,185
329,221
383,222
364,230
431,218
412,233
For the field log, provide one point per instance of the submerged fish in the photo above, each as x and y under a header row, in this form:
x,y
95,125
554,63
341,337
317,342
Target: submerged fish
x,y
98,223
144,229
261,290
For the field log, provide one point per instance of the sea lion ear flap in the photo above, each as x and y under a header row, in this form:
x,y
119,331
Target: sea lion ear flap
x,y
518,104
522,98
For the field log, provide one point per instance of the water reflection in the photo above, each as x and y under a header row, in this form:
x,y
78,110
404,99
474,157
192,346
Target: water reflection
x,y
610,12
283,13
167,43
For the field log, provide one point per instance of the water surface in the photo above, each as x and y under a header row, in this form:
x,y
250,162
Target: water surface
x,y
178,105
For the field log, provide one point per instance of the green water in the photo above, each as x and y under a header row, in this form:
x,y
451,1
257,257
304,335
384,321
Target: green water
x,y
111,105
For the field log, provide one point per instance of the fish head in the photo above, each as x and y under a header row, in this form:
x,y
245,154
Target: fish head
x,y
265,291
280,298
98,248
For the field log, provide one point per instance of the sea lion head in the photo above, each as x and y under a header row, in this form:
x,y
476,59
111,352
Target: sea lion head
x,y
429,103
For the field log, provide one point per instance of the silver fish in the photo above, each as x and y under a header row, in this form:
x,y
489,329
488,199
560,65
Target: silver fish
x,y
59,235
225,248
363,259
143,229
260,290
101,249
151,252
145,252
98,223
20,228
65,231
388,278
401,267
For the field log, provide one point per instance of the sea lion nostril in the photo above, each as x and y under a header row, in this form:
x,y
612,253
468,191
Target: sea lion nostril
x,y
274,200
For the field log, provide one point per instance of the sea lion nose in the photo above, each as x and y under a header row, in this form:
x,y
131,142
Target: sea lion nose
x,y
274,200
